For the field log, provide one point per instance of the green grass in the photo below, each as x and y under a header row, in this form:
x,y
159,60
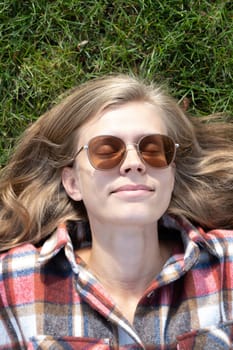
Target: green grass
x,y
49,46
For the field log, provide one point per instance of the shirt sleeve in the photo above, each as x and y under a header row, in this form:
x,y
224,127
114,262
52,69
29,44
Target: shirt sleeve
x,y
10,335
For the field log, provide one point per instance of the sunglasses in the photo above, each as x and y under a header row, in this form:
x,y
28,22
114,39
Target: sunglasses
x,y
106,152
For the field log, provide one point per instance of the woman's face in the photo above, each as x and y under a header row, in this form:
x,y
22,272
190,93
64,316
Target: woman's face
x,y
132,192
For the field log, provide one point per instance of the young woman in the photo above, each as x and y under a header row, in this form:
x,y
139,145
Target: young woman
x,y
116,218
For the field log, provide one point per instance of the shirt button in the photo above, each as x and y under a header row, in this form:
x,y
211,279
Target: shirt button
x,y
151,294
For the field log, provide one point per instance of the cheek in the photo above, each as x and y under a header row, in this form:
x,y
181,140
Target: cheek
x,y
165,190
92,183
171,180
166,181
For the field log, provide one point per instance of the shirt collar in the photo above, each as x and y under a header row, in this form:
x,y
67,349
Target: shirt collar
x,y
58,240
192,238
193,235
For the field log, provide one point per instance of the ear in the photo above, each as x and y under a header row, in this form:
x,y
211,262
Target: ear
x,y
70,183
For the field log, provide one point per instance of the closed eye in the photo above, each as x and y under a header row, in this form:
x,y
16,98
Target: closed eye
x,y
151,148
106,150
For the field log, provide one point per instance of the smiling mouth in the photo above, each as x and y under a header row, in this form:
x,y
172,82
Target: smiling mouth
x,y
133,188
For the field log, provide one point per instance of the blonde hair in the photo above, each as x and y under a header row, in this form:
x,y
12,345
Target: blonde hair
x,y
33,201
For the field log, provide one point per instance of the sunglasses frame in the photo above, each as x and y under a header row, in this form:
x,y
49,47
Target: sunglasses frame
x,y
136,144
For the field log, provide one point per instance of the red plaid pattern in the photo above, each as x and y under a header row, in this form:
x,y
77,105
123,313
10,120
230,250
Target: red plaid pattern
x,y
50,300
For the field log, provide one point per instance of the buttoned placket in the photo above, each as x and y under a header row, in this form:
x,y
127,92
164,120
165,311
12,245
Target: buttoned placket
x,y
172,270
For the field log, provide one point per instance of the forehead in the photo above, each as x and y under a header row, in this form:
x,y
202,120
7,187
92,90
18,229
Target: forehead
x,y
127,120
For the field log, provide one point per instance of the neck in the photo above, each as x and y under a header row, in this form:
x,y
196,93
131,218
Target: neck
x,y
126,258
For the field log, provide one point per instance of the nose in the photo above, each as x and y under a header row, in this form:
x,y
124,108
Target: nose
x,y
132,161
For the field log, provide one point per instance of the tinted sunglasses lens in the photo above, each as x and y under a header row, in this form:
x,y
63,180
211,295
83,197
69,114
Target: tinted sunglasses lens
x,y
157,150
106,152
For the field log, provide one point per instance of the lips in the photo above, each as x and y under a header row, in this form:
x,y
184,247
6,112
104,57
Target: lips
x,y
129,188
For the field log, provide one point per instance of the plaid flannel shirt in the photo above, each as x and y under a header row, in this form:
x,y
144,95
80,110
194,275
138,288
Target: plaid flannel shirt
x,y
50,300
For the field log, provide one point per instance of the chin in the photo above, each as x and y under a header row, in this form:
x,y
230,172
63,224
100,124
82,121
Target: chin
x,y
142,220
